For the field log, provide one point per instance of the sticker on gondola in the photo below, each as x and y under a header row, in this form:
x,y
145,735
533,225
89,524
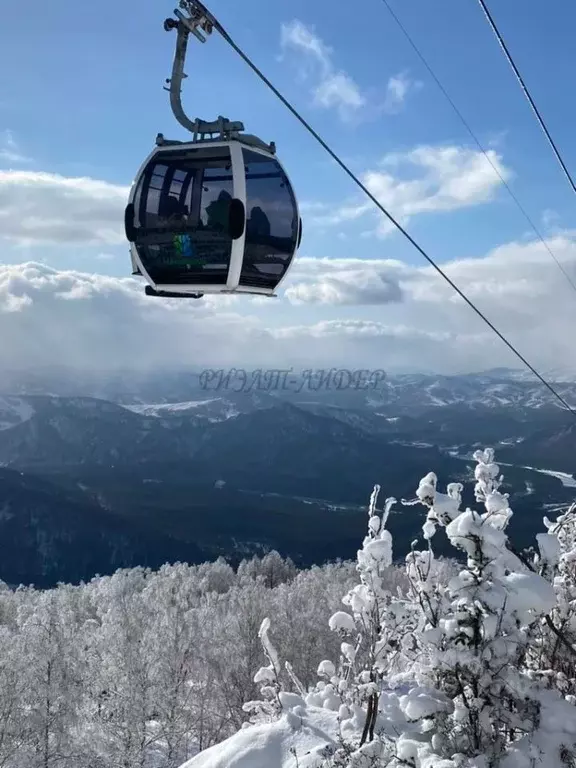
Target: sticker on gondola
x,y
185,249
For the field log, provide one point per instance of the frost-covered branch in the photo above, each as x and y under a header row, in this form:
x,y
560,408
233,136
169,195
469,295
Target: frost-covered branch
x,y
446,677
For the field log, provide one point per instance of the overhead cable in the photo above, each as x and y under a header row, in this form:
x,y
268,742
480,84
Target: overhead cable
x,y
376,202
527,94
480,147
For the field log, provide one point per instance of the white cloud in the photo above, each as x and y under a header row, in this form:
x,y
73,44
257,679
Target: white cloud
x,y
298,35
92,321
517,286
450,178
348,287
397,90
335,311
551,220
46,208
444,178
95,323
10,151
335,88
39,208
340,91
359,329
510,263
355,313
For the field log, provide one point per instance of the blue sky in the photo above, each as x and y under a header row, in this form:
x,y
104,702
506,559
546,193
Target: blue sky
x,y
89,98
84,98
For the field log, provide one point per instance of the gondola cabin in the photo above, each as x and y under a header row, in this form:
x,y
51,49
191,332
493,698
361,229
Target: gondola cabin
x,y
212,217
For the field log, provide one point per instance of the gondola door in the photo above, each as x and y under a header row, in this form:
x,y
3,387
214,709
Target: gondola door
x,y
272,222
182,207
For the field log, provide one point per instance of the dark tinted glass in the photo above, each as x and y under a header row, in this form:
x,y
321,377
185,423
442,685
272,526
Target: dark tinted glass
x,y
271,221
182,216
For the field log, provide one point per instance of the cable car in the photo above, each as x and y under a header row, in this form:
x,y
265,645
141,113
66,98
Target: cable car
x,y
212,215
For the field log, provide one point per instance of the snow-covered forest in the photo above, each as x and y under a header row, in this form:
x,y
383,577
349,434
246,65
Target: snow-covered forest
x,y
147,668
399,659
470,669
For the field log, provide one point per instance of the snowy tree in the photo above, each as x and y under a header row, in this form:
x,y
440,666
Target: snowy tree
x,y
236,619
217,577
395,659
16,732
49,680
474,700
446,674
121,732
301,610
553,654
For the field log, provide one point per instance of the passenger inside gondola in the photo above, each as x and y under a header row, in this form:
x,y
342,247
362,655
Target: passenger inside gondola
x,y
218,213
173,211
188,220
258,224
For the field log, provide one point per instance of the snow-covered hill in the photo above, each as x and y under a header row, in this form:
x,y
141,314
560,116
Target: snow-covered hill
x,y
212,409
497,388
473,390
14,411
397,396
298,739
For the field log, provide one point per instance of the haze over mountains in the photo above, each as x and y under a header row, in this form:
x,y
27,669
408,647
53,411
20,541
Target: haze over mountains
x,y
129,469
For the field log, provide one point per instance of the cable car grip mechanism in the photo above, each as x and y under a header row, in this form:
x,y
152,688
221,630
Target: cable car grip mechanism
x,y
198,20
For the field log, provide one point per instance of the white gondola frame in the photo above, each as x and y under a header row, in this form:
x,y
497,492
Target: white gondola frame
x,y
232,285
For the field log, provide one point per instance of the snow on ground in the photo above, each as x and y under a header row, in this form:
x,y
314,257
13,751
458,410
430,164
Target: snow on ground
x,y
567,480
161,409
14,411
413,444
222,408
296,740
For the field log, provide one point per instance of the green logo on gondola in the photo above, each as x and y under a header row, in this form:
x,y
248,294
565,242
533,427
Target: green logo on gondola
x,y
185,249
183,245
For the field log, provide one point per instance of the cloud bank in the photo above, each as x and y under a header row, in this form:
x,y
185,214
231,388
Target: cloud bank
x,y
427,179
39,208
46,208
350,312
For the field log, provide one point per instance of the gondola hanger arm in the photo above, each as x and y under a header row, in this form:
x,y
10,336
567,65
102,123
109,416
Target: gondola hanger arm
x,y
196,19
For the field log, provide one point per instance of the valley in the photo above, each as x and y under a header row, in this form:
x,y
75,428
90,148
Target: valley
x,y
90,484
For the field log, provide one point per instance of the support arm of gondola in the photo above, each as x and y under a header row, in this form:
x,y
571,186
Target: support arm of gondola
x,y
178,74
199,17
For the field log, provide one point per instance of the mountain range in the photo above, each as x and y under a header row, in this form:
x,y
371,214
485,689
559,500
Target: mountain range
x,y
165,467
